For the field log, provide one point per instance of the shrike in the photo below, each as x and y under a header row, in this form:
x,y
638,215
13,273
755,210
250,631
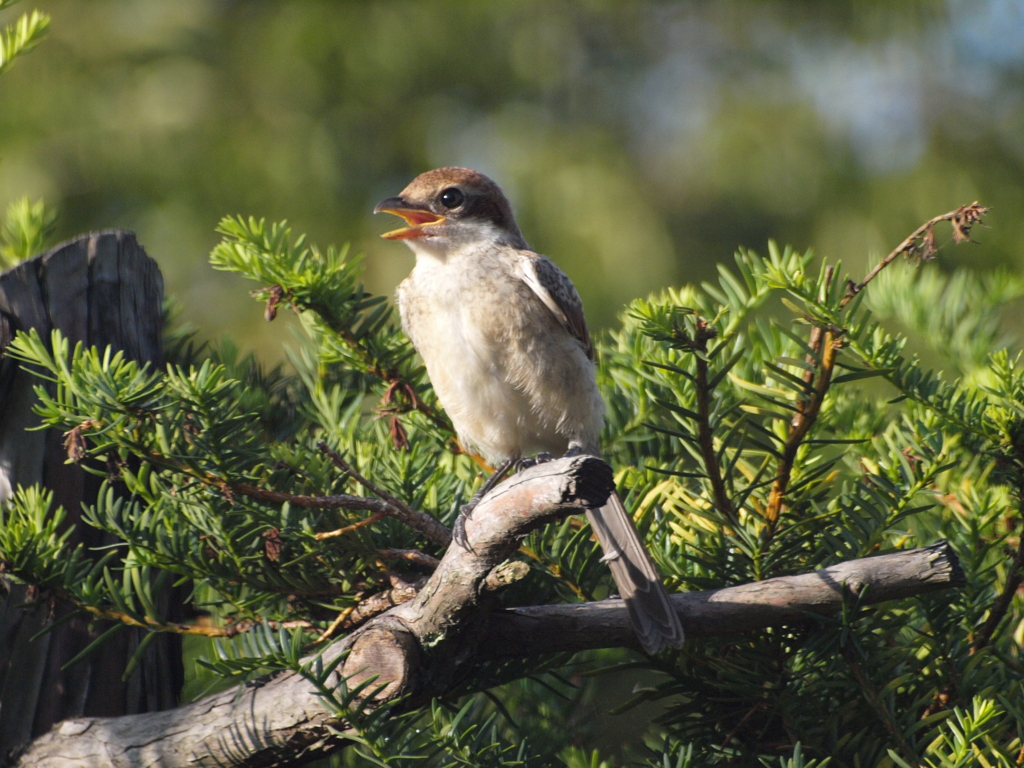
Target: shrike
x,y
501,331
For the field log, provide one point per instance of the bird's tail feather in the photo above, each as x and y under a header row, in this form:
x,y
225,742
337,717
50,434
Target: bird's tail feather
x,y
650,611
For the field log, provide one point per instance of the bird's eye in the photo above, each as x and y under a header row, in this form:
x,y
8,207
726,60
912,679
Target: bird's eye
x,y
452,198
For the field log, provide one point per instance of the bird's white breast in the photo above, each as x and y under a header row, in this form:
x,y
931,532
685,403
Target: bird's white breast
x,y
510,377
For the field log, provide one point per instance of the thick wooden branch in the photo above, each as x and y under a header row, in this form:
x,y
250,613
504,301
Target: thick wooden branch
x,y
731,611
424,647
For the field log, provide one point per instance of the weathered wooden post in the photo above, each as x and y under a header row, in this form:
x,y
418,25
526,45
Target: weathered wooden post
x,y
101,289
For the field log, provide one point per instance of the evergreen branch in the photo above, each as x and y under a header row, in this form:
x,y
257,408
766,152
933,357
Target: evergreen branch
x,y
921,243
1014,578
422,522
149,623
419,521
800,426
21,37
706,438
387,374
349,618
327,285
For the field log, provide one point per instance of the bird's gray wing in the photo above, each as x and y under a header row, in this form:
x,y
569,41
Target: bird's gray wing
x,y
554,288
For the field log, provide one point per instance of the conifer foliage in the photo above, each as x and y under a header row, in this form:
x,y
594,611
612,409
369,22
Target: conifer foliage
x,y
766,425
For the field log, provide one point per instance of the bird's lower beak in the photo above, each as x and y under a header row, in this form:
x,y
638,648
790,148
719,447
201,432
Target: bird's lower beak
x,y
416,217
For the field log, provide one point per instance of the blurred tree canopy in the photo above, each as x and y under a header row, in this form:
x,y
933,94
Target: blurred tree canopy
x,y
640,142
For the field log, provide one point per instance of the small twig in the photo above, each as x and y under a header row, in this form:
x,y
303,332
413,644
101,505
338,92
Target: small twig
x,y
239,627
922,241
432,529
396,508
410,555
400,592
743,721
801,425
348,469
336,501
349,528
814,342
229,630
705,435
327,633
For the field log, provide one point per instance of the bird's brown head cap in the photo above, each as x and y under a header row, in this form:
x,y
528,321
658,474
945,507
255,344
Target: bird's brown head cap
x,y
436,202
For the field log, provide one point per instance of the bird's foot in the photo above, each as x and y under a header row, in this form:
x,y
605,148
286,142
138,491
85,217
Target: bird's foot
x,y
526,463
459,529
466,512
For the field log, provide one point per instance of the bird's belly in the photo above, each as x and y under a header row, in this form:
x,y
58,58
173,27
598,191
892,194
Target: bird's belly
x,y
489,411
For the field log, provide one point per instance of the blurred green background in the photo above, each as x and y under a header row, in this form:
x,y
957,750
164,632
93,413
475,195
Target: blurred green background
x,y
640,142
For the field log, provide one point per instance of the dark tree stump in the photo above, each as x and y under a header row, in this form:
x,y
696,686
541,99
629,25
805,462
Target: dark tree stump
x,y
101,289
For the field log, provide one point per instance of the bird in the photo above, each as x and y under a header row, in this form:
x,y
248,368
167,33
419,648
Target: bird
x,y
502,333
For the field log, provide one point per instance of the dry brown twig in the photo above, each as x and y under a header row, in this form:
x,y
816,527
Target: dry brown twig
x,y
921,243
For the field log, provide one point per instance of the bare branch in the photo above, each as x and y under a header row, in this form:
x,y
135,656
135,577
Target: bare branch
x,y
519,632
421,648
349,528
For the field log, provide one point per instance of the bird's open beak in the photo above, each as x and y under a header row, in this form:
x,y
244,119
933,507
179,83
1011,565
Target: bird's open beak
x,y
415,216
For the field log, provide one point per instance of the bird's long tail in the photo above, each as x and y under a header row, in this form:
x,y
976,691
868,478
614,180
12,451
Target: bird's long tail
x,y
654,621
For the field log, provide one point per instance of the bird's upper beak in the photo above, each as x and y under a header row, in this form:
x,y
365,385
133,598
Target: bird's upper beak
x,y
415,215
